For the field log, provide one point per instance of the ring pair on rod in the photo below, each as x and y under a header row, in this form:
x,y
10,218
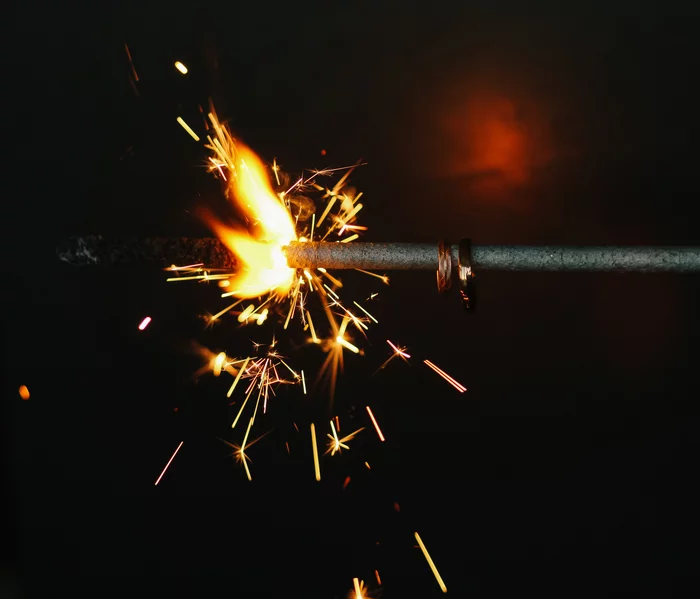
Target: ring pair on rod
x,y
465,271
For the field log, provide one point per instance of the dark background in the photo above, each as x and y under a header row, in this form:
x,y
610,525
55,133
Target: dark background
x,y
569,467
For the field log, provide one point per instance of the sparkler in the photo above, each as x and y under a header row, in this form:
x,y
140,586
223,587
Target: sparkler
x,y
284,255
96,250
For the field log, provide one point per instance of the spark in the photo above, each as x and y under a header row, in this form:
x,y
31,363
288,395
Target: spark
x,y
131,62
376,426
346,483
238,378
168,464
379,580
303,381
431,563
317,466
336,444
181,67
347,344
461,388
358,588
383,278
218,363
144,323
368,314
24,392
187,128
368,466
399,350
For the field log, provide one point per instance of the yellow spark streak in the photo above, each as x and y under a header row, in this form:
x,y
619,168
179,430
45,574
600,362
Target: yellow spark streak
x,y
351,215
245,461
431,564
303,381
187,128
313,226
397,350
336,282
276,170
333,293
347,344
218,363
358,592
245,401
317,466
343,326
192,278
368,466
365,311
233,305
314,338
181,67
376,426
188,267
351,238
246,313
238,378
461,388
168,464
326,211
384,279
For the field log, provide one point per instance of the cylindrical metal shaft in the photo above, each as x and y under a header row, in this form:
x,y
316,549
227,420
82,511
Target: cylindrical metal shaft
x,y
96,250
415,256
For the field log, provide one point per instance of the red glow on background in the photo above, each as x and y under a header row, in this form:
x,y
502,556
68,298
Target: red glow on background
x,y
498,140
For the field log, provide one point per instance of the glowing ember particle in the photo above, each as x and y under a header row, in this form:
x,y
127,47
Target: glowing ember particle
x,y
317,466
218,363
181,67
461,388
24,392
379,580
144,323
368,466
303,381
397,507
287,445
351,238
376,426
346,483
187,128
430,563
169,462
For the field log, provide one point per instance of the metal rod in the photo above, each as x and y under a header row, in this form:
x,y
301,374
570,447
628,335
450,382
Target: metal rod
x,y
410,256
96,250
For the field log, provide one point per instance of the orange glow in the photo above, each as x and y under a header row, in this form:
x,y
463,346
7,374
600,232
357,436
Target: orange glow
x,y
265,267
24,392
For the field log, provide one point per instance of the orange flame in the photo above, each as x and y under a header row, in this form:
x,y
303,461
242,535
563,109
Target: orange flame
x,y
265,268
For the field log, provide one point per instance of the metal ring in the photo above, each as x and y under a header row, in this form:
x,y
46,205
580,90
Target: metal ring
x,y
466,274
444,271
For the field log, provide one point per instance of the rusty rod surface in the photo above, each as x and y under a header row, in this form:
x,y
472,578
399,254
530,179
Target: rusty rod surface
x,y
164,252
